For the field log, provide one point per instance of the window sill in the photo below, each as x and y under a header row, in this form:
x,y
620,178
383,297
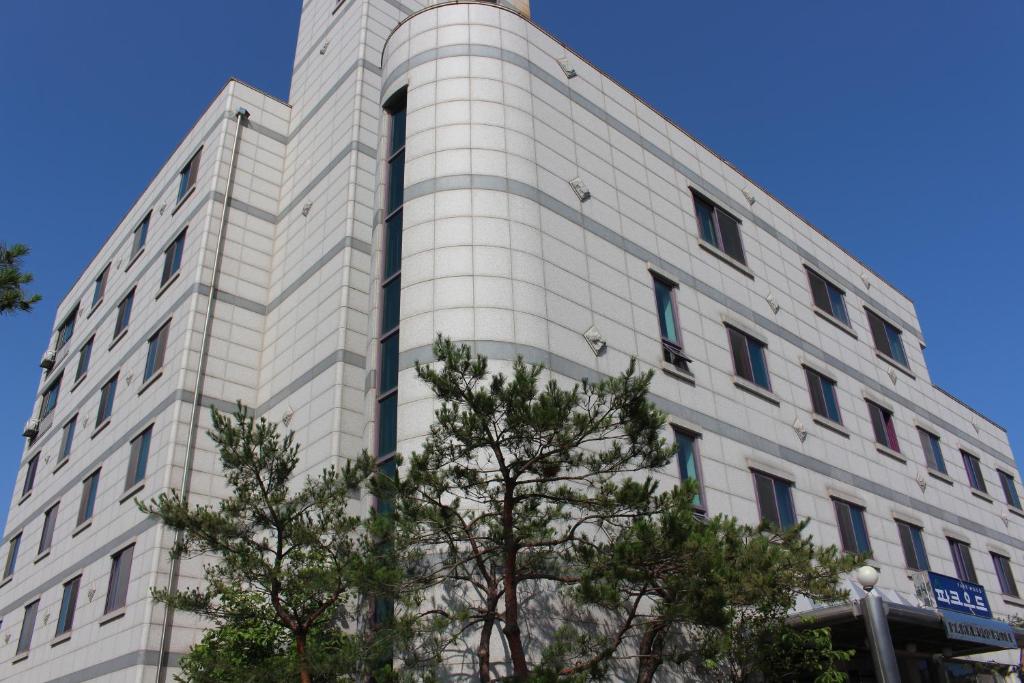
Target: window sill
x,y
130,493
828,317
60,464
984,496
940,476
899,366
756,390
79,380
20,658
120,335
112,616
191,191
895,455
678,373
81,527
831,425
95,306
1016,511
7,580
62,638
41,556
24,497
1011,600
165,286
99,428
337,6
151,381
725,258
134,258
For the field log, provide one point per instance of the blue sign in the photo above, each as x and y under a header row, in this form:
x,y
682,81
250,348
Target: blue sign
x,y
959,596
977,630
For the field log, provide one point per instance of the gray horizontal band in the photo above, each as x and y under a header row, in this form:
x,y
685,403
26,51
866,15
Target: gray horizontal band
x,y
718,195
119,663
509,351
573,214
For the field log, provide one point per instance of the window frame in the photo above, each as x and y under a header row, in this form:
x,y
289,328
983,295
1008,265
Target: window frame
x,y
719,237
108,393
915,536
117,587
887,420
139,236
123,317
50,397
67,438
188,175
1009,484
13,549
84,358
975,475
28,627
819,380
963,563
66,329
672,351
1004,574
139,448
31,470
853,512
882,331
90,491
174,255
932,445
68,606
49,529
735,333
99,290
700,505
776,482
828,287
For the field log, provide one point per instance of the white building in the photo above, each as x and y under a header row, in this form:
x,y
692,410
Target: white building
x,y
539,200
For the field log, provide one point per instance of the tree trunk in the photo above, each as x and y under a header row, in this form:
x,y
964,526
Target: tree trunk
x,y
300,650
520,669
651,650
483,651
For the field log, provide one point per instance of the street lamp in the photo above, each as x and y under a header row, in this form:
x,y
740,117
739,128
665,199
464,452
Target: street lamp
x,y
882,653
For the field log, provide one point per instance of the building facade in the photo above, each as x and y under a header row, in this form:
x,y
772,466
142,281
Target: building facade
x,y
452,168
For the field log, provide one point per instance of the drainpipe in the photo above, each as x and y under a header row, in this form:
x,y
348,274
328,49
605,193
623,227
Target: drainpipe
x,y
241,115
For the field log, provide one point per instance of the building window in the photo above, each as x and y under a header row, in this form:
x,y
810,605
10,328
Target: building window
x,y
12,555
853,528
30,475
1004,572
932,451
719,228
775,500
124,314
188,175
912,540
99,287
974,473
138,458
139,235
828,298
87,505
66,329
1009,489
49,524
50,397
155,352
120,573
67,439
68,603
106,401
824,399
84,356
749,358
888,338
28,625
884,426
689,464
668,322
172,258
962,560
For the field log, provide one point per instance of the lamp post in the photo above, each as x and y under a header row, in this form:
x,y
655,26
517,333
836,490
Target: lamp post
x,y
882,652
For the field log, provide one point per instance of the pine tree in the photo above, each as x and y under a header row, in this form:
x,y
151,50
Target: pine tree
x,y
12,297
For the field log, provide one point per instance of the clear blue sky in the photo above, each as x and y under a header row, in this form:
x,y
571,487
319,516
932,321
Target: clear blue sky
x,y
894,127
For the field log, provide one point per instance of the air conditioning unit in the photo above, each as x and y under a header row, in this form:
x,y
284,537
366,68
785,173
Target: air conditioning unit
x,y
31,428
48,359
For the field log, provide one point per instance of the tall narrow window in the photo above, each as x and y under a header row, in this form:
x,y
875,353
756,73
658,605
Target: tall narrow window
x,y
12,555
28,625
719,228
106,407
932,451
139,458
120,574
828,298
84,356
139,235
49,524
884,426
66,329
962,561
124,314
68,604
1009,489
172,258
99,287
67,439
668,322
853,528
689,464
1004,572
749,358
912,540
87,505
888,338
30,475
974,474
824,399
188,175
50,397
775,500
155,352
